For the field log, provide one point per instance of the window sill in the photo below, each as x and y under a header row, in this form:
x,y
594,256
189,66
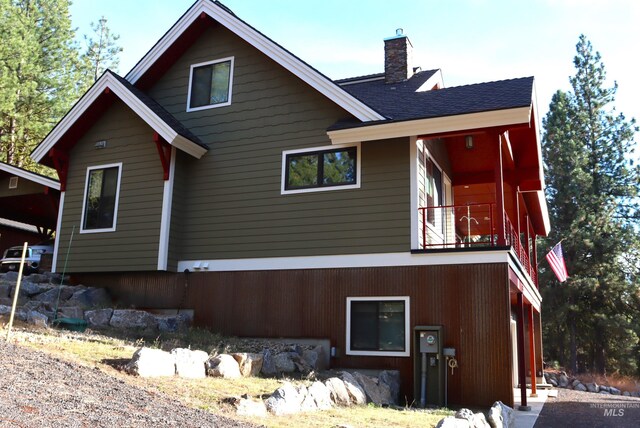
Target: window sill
x,y
379,353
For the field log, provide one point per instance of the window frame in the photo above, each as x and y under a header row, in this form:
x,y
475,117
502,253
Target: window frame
x,y
117,198
318,150
230,59
407,325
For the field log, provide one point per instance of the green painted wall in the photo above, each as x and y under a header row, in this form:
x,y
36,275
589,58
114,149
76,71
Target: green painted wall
x,y
134,244
25,187
230,201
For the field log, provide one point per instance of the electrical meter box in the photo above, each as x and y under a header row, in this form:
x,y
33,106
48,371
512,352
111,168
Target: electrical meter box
x,y
429,366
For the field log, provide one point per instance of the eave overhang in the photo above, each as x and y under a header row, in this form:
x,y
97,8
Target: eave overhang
x,y
31,176
265,45
109,83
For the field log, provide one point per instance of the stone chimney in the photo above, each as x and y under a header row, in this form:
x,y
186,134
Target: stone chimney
x,y
398,61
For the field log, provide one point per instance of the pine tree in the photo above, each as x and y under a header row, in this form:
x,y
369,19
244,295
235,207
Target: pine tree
x,y
102,52
39,73
591,321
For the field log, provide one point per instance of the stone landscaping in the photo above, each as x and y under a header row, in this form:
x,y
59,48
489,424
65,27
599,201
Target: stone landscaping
x,y
499,416
562,380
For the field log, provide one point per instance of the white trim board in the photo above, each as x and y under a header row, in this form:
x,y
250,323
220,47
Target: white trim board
x,y
165,221
109,81
56,244
274,51
28,175
344,261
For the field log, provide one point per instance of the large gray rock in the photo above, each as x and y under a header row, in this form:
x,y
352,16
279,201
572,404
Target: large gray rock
x,y
71,312
284,363
190,364
356,392
375,392
338,391
464,413
173,323
29,289
285,400
563,381
479,421
10,277
223,365
321,395
268,364
614,390
5,289
580,387
592,387
131,318
249,363
98,318
391,378
452,422
147,362
38,278
91,298
501,416
308,403
250,407
38,319
51,295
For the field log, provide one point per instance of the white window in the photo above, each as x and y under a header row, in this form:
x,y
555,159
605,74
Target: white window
x,y
321,168
101,195
378,326
210,84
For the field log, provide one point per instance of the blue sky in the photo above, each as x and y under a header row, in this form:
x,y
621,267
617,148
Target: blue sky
x,y
470,40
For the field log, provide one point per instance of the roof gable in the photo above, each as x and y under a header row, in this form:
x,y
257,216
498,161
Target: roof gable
x,y
295,65
146,108
31,176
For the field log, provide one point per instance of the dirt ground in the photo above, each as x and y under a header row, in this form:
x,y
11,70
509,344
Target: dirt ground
x,y
589,410
38,390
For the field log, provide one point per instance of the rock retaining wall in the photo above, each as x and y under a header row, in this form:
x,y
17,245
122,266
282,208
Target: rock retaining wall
x,y
563,380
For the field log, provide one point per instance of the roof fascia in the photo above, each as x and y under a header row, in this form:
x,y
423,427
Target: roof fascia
x,y
28,175
276,52
434,125
108,81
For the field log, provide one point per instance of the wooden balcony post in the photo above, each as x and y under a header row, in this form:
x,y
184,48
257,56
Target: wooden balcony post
x,y
532,354
499,180
522,379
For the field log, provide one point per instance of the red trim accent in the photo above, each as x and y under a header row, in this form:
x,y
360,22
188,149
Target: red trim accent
x,y
164,150
61,164
532,353
107,90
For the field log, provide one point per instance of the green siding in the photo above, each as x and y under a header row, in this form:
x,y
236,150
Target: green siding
x,y
134,244
234,208
25,187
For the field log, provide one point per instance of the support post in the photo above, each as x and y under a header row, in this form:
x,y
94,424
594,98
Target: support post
x,y
532,354
499,180
522,379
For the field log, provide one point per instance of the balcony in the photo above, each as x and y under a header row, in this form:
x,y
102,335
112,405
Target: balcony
x,y
473,226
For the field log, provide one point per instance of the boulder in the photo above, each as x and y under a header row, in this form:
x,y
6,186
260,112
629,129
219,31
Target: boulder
x,y
580,387
479,421
626,394
223,365
131,318
38,278
563,381
190,364
284,363
321,395
604,391
98,318
147,362
36,318
5,310
614,391
29,289
391,378
268,364
575,383
5,289
51,295
173,323
604,388
464,413
501,415
10,277
285,400
311,357
338,391
452,422
251,407
354,389
249,363
308,404
553,382
592,387
90,298
376,393
71,312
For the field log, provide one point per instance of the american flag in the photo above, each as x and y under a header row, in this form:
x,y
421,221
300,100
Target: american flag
x,y
556,261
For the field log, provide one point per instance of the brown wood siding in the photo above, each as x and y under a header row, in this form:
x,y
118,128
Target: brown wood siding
x,y
134,244
470,301
25,187
235,208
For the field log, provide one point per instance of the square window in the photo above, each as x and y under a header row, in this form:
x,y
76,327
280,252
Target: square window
x,y
100,205
317,169
378,326
210,84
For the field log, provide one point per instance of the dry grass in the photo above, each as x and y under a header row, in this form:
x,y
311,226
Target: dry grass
x,y
109,352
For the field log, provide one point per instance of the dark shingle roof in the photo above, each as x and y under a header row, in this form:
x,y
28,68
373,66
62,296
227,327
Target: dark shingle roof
x,y
400,101
166,117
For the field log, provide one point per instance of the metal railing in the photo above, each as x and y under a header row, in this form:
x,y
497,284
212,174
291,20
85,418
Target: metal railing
x,y
469,226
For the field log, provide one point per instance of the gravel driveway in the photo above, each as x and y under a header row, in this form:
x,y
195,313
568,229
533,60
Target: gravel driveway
x,y
589,410
38,390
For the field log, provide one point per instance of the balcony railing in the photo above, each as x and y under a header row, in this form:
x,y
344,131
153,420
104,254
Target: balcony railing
x,y
469,226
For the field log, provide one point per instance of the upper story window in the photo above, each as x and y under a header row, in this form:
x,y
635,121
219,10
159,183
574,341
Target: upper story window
x,y
101,194
210,84
321,168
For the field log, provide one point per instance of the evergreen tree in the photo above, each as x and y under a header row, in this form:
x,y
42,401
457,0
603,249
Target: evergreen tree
x,y
591,321
102,52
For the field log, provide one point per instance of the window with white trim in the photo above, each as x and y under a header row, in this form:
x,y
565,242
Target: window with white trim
x,y
321,168
101,194
210,84
378,326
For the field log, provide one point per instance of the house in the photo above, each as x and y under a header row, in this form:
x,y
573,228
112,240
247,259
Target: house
x,y
386,213
28,206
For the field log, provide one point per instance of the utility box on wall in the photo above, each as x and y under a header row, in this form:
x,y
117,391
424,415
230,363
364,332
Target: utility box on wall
x,y
429,366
